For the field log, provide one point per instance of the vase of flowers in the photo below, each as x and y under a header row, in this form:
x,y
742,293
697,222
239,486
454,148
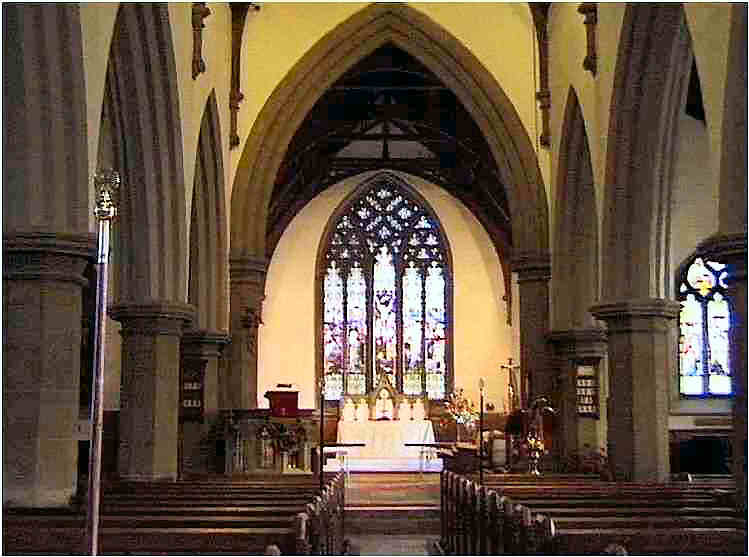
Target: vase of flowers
x,y
463,410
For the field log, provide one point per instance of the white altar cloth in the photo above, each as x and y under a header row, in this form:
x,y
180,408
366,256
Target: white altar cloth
x,y
385,439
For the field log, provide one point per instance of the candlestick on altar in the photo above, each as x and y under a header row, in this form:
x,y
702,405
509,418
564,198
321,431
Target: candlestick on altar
x,y
106,185
321,385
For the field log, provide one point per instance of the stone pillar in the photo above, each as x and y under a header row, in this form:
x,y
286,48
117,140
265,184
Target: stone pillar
x,y
572,348
201,351
731,250
42,283
149,397
641,368
247,291
534,272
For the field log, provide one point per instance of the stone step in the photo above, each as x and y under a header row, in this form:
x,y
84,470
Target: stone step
x,y
393,520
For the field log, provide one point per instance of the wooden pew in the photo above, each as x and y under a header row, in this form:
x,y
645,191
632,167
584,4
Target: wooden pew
x,y
558,518
295,518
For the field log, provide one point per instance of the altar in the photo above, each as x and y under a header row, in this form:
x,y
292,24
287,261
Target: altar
x,y
386,423
385,447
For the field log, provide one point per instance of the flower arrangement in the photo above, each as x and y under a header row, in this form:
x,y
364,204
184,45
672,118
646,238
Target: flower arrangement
x,y
461,408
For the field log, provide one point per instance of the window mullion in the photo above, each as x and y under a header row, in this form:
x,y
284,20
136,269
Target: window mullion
x,y
705,350
423,275
345,271
369,364
398,323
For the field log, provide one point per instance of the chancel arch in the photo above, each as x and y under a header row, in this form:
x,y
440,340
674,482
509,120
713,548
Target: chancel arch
x,y
263,168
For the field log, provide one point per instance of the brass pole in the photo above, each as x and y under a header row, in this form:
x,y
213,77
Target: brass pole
x,y
106,184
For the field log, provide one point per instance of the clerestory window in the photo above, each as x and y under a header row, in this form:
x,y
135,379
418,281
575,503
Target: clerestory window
x,y
704,324
386,293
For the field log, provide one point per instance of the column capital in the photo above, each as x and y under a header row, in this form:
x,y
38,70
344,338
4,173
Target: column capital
x,y
727,248
154,317
204,343
247,266
50,256
531,266
580,343
620,316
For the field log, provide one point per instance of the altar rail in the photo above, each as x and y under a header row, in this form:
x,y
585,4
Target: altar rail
x,y
561,516
210,515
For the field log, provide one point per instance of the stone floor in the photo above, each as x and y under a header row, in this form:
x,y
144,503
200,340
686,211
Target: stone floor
x,y
384,544
392,514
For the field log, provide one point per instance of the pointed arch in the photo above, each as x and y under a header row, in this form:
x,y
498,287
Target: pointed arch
x,y
340,49
385,218
575,280
207,283
650,85
141,90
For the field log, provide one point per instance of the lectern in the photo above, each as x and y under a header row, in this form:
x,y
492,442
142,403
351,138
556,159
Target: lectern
x,y
284,402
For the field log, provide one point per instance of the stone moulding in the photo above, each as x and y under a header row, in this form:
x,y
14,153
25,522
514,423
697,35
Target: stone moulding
x,y
47,256
153,317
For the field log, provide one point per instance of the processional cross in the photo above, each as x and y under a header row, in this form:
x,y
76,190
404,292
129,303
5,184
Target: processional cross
x,y
514,385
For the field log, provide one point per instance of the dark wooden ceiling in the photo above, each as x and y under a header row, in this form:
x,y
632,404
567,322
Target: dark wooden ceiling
x,y
390,112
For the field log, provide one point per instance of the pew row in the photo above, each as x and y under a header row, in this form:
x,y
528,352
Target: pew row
x,y
204,517
585,518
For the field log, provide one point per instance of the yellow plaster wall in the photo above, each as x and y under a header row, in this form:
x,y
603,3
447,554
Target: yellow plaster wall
x,y
482,337
499,35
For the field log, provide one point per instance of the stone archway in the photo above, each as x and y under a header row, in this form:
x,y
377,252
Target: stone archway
x,y
483,98
649,90
151,237
449,59
577,340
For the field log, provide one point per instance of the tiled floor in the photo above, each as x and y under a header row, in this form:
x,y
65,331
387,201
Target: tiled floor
x,y
383,544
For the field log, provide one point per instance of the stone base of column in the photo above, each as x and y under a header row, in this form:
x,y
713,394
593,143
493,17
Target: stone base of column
x,y
641,366
42,283
149,399
202,349
575,347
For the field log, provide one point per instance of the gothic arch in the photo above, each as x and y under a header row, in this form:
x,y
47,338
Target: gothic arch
x,y
575,257
650,85
341,48
143,105
207,283
415,199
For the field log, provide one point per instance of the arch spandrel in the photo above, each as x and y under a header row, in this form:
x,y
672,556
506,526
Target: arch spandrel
x,y
450,61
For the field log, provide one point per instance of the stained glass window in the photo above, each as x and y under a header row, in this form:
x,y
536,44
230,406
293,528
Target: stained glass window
x,y
704,322
386,291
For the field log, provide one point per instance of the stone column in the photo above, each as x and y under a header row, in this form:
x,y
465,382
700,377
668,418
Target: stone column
x,y
534,272
641,368
149,398
731,250
201,351
42,283
247,291
572,348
